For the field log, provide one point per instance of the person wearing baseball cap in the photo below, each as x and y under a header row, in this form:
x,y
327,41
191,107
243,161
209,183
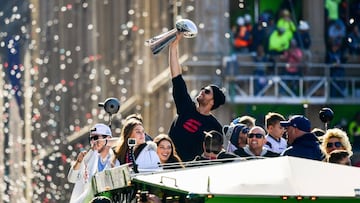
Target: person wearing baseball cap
x,y
302,143
98,158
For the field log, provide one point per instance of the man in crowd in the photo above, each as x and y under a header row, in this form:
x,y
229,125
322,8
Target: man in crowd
x,y
302,142
213,148
187,130
87,163
255,145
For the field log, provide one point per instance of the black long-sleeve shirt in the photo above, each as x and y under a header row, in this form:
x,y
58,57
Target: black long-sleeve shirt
x,y
187,130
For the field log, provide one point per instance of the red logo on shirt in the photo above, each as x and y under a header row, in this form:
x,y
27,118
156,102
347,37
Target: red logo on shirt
x,y
192,125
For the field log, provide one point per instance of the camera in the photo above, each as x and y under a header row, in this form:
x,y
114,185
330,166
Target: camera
x,y
111,105
131,142
326,115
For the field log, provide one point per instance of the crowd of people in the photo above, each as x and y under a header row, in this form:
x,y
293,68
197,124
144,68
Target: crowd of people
x,y
280,38
196,137
273,39
276,32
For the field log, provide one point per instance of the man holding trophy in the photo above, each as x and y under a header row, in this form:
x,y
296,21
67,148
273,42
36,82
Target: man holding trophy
x,y
194,118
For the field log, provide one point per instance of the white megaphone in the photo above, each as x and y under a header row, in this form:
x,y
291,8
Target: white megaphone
x,y
185,26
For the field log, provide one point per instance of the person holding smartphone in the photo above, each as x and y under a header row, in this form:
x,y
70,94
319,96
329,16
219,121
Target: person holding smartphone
x,y
87,163
133,149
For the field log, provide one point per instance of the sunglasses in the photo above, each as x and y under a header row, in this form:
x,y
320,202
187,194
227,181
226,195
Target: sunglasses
x,y
332,144
256,135
96,137
206,90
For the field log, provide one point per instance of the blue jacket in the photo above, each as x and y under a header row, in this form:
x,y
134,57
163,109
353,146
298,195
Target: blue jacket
x,y
306,146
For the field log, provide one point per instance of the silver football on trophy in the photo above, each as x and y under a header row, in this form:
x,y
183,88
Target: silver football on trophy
x,y
187,27
184,26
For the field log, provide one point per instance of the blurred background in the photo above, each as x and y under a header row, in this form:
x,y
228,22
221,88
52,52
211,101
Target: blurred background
x,y
60,58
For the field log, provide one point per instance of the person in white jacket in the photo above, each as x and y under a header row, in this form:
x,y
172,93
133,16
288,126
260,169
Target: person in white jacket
x,y
133,149
98,158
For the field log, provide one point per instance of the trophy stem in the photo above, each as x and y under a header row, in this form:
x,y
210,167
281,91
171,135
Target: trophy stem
x,y
158,42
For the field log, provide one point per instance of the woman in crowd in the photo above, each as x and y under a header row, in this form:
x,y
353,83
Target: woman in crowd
x,y
133,149
166,151
335,139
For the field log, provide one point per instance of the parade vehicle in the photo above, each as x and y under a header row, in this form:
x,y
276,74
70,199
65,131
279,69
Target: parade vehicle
x,y
280,179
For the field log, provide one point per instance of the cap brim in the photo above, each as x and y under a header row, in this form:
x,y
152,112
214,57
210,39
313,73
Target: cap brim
x,y
285,123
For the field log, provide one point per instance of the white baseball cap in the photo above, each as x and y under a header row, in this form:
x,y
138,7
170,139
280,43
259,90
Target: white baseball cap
x,y
101,129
